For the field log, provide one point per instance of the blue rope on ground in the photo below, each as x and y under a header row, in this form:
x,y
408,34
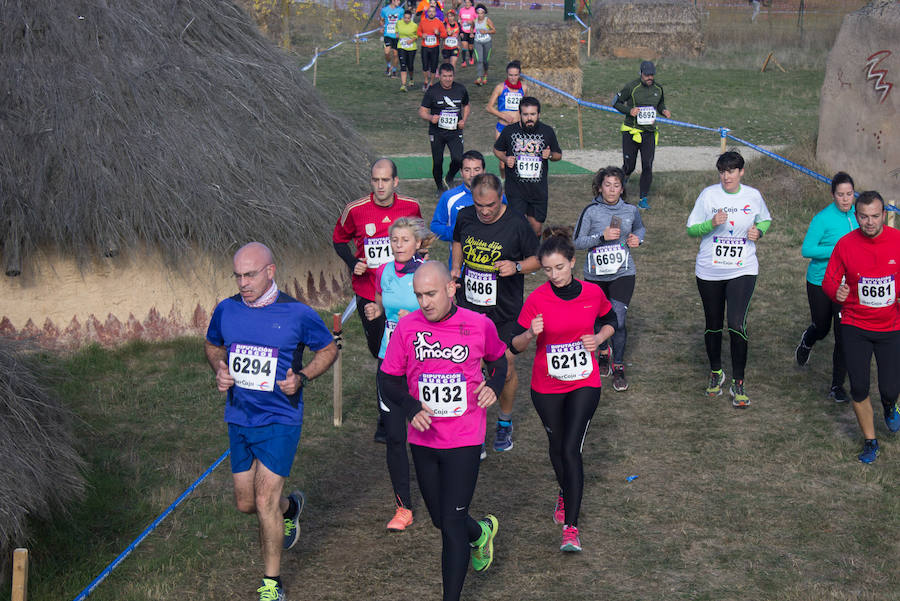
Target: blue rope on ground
x,y
90,588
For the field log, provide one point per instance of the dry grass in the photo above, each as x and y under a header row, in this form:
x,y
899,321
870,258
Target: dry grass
x,y
544,45
647,28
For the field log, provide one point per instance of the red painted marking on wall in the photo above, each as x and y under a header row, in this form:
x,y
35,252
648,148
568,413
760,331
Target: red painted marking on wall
x,y
880,85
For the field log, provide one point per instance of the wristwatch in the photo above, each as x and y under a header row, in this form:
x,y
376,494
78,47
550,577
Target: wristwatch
x,y
518,267
303,378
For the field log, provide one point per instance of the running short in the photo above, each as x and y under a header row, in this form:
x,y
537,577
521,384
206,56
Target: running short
x,y
500,126
529,208
466,37
274,445
390,42
448,52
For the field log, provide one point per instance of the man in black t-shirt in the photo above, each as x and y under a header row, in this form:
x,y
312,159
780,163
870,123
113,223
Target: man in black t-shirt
x,y
446,108
493,249
524,148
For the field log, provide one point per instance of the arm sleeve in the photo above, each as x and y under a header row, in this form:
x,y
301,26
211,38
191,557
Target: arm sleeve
x,y
394,388
516,330
553,143
637,226
623,98
700,229
662,100
696,224
585,237
346,255
763,226
833,273
812,247
608,319
440,222
214,332
502,141
496,371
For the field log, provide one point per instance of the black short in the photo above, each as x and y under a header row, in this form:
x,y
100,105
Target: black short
x,y
448,52
529,208
430,59
859,346
390,42
467,38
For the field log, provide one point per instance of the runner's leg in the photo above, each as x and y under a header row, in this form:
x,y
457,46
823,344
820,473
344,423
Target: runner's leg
x,y
738,292
712,294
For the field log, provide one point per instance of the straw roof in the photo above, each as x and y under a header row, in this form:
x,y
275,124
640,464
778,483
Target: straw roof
x,y
170,123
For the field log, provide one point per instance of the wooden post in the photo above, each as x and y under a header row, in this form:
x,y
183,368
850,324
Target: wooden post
x,y
315,64
580,130
20,575
723,141
338,396
286,24
891,215
357,49
590,31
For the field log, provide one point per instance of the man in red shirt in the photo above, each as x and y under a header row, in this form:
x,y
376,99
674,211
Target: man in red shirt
x,y
366,222
862,275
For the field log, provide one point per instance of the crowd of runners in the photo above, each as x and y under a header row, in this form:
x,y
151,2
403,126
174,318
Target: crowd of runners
x,y
445,335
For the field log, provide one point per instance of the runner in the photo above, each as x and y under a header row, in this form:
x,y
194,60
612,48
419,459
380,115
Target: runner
x,y
570,319
611,228
450,48
525,148
365,222
862,276
408,33
484,29
422,8
445,106
827,227
431,32
254,362
390,16
504,101
394,298
467,38
729,219
432,370
454,199
493,249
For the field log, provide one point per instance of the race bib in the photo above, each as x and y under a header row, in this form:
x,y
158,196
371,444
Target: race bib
x,y
569,362
448,120
528,166
406,43
467,26
431,40
482,37
390,29
451,42
378,251
481,288
445,394
389,327
512,101
646,115
253,367
728,252
877,292
607,259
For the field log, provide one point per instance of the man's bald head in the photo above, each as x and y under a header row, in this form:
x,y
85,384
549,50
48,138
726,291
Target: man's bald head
x,y
434,290
254,270
255,250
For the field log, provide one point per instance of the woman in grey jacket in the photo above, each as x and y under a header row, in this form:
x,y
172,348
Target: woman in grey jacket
x,y
610,228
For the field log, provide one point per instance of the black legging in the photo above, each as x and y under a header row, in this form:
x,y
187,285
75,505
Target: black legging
x,y
447,480
566,418
452,139
859,346
394,422
737,293
823,312
373,329
629,156
407,60
619,292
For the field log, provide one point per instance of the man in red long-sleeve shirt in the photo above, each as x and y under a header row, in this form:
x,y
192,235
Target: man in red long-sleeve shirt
x,y
862,275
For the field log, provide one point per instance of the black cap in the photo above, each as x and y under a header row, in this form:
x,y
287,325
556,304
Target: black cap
x,y
647,68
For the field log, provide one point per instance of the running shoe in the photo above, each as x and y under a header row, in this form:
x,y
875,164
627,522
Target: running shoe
x,y
483,452
716,379
869,452
892,418
620,384
483,548
838,394
644,203
270,591
387,71
559,514
394,72
604,361
380,433
424,87
403,518
292,524
571,542
464,64
503,439
402,88
739,399
471,61
801,353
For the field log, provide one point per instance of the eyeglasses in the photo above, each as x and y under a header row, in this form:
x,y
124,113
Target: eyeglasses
x,y
251,274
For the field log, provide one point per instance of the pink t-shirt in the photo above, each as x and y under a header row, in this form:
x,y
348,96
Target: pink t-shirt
x,y
467,19
565,322
443,360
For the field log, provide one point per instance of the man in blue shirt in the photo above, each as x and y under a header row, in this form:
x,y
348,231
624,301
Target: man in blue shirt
x,y
454,199
255,344
390,15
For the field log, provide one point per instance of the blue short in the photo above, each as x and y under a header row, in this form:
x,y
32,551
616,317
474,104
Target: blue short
x,y
500,126
274,445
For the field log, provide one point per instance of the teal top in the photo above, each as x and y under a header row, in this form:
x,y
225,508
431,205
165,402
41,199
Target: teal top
x,y
826,228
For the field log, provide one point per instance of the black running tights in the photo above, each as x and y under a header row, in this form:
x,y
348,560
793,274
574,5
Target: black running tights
x,y
566,418
715,294
447,480
394,420
824,312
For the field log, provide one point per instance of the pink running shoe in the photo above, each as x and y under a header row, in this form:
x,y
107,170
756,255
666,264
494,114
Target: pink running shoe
x,y
571,543
559,514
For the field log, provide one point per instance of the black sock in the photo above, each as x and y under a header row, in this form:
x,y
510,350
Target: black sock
x,y
277,579
291,510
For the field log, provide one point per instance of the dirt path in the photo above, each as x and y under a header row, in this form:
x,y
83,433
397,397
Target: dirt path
x,y
668,158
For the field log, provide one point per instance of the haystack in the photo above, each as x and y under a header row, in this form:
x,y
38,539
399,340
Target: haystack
x,y
549,53
859,111
647,29
143,142
41,471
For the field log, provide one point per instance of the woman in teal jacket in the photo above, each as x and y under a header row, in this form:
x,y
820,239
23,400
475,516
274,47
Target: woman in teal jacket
x,y
826,228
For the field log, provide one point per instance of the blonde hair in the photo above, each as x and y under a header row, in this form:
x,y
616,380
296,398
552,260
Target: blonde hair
x,y
416,225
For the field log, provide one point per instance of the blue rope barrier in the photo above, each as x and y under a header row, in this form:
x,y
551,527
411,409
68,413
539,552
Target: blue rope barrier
x,y
359,36
782,159
90,588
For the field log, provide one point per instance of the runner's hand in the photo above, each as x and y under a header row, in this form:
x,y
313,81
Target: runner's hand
x,y
753,233
545,153
402,313
632,241
421,421
360,268
224,381
372,311
590,342
719,218
537,324
291,383
667,114
612,233
510,161
633,112
485,395
842,293
505,268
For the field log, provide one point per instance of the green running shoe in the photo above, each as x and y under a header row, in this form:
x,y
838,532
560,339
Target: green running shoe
x,y
270,591
716,379
483,548
739,399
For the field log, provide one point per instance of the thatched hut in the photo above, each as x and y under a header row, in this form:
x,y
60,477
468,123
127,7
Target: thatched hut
x,y
143,142
647,29
549,52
